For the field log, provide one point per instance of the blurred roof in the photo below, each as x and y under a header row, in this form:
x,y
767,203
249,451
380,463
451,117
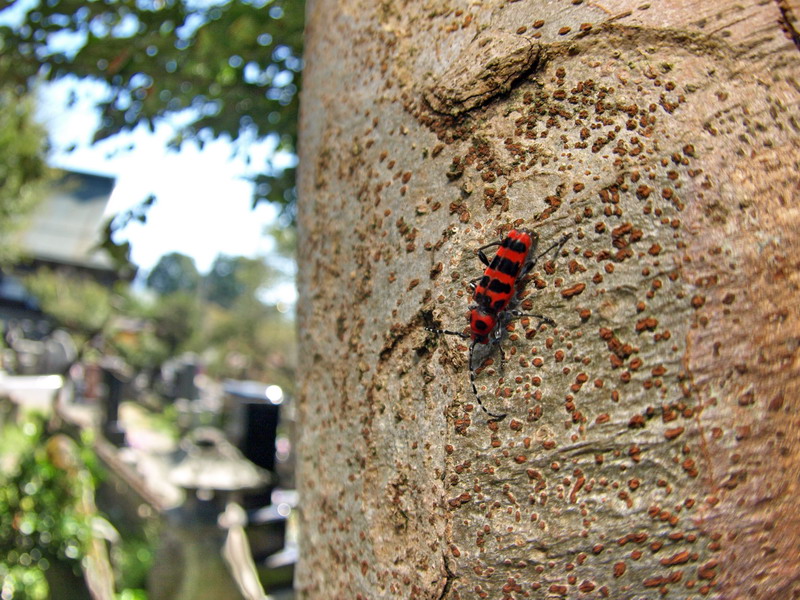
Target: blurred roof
x,y
67,226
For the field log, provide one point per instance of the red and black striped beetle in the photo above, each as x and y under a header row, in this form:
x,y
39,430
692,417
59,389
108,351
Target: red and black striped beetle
x,y
496,294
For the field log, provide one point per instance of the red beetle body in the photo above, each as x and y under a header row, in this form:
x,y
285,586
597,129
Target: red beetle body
x,y
498,286
495,297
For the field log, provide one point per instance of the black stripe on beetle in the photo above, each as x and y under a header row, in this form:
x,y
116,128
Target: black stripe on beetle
x,y
498,287
507,267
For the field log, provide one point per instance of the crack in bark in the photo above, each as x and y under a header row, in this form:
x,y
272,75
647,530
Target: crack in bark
x,y
787,22
449,578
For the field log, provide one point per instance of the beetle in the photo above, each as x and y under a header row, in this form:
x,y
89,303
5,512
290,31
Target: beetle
x,y
496,294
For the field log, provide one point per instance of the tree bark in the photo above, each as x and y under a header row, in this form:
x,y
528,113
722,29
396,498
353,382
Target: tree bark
x,y
651,444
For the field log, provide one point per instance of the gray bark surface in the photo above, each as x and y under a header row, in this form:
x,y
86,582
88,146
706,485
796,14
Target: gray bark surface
x,y
651,444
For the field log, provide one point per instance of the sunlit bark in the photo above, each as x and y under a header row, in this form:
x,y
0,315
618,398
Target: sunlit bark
x,y
651,444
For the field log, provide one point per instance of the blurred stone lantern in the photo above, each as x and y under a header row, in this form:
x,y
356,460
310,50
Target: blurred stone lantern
x,y
213,472
189,563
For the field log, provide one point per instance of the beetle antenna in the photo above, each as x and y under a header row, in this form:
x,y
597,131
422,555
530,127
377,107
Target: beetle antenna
x,y
493,416
461,334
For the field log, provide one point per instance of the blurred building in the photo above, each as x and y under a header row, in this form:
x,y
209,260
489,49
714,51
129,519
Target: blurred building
x,y
64,233
67,227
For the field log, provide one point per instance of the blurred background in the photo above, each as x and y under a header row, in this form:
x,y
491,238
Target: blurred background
x,y
147,363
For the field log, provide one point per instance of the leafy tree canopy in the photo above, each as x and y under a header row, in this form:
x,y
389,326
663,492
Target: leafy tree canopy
x,y
232,67
177,318
225,282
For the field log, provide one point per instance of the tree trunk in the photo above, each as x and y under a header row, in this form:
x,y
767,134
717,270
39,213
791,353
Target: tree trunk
x,y
651,444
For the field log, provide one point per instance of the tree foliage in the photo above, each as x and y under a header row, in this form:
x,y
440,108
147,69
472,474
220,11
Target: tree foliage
x,y
79,304
222,285
174,272
250,341
235,277
177,319
49,522
221,317
24,175
225,321
120,251
41,522
231,69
